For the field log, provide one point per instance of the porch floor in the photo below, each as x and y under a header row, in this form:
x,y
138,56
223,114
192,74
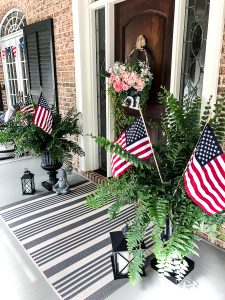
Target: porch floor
x,y
21,280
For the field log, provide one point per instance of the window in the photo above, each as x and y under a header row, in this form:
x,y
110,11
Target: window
x,y
13,21
13,55
101,83
39,47
197,13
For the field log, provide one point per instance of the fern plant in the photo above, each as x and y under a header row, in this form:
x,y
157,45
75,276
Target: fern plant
x,y
157,203
27,137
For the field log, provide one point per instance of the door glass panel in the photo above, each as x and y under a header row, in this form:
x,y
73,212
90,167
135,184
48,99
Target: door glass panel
x,y
101,83
194,46
24,77
15,70
12,75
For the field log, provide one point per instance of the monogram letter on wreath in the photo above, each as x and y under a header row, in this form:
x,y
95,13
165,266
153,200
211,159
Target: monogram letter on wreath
x,y
133,78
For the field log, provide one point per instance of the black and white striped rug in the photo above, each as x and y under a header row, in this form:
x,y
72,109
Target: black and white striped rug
x,y
68,241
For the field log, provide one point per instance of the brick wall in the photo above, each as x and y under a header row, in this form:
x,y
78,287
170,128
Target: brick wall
x,y
221,81
219,239
61,13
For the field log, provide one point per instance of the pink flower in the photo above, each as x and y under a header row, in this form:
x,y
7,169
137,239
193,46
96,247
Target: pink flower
x,y
125,87
117,86
139,85
111,79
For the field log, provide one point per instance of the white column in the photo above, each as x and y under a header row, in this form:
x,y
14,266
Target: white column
x,y
86,103
177,48
213,50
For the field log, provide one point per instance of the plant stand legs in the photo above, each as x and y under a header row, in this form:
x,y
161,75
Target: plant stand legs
x,y
52,180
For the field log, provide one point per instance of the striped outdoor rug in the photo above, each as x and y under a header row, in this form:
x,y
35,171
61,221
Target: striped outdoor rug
x,y
68,241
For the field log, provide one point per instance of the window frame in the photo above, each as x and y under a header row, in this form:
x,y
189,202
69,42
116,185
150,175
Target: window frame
x,y
8,41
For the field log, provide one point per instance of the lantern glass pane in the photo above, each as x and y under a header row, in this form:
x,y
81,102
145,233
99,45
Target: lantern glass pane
x,y
123,260
27,186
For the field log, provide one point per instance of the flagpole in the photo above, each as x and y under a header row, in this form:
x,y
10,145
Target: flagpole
x,y
207,122
157,166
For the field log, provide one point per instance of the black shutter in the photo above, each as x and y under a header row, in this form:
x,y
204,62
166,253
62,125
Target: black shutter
x,y
39,45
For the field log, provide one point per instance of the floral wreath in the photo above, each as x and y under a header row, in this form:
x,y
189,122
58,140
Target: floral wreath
x,y
136,78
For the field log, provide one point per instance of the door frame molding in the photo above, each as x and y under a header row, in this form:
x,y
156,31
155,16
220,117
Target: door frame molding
x,y
85,75
84,49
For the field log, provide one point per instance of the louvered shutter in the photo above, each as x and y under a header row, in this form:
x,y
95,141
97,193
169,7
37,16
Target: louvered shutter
x,y
39,45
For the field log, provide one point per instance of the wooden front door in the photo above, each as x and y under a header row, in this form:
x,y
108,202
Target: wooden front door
x,y
153,19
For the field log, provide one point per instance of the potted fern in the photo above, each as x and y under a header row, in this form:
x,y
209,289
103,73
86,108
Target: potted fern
x,y
157,203
55,148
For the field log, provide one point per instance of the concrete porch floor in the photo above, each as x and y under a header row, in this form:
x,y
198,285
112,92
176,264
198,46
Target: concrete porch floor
x,y
21,280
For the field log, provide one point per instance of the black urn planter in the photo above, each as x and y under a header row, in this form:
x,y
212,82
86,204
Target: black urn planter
x,y
172,277
51,167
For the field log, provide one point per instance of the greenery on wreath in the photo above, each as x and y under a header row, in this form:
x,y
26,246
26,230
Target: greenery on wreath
x,y
155,202
28,137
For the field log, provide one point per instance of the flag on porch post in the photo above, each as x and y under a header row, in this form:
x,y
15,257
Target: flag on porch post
x,y
204,177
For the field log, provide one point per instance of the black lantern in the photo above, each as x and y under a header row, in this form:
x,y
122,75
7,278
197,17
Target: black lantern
x,y
121,258
27,181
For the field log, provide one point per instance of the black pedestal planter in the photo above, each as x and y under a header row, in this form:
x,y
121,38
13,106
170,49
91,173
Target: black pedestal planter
x,y
172,277
51,167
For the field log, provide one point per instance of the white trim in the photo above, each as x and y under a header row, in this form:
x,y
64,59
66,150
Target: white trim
x,y
85,66
213,50
110,57
83,76
11,36
177,47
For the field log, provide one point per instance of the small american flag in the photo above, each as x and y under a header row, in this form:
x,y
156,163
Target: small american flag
x,y
9,53
14,51
204,177
43,115
27,105
135,140
3,53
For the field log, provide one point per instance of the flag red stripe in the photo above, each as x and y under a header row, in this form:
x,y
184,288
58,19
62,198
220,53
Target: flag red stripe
x,y
141,151
213,181
136,147
220,164
204,186
122,168
198,198
199,192
116,159
191,194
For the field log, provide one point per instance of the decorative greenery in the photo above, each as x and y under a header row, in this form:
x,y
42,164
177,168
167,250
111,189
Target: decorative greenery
x,y
127,79
121,120
158,203
27,137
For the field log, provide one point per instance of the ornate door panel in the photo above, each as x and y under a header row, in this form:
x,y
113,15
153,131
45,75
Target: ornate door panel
x,y
153,19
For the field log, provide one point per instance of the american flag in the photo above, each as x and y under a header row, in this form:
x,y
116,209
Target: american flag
x,y
43,115
27,105
9,53
204,177
14,51
134,140
3,52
